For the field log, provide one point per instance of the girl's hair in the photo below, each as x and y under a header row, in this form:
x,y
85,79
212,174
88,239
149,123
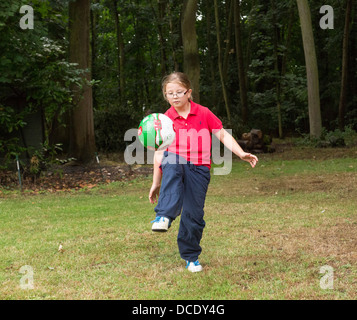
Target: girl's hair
x,y
176,77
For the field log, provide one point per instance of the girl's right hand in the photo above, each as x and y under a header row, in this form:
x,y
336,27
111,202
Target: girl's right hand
x,y
154,193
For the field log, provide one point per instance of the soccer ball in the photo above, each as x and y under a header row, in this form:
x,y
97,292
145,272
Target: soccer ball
x,y
156,131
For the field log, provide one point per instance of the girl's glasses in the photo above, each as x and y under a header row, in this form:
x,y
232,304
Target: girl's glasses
x,y
179,94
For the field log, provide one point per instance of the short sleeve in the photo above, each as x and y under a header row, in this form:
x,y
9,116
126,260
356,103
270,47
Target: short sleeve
x,y
214,123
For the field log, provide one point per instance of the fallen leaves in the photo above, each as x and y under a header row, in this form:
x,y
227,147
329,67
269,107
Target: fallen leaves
x,y
72,178
60,248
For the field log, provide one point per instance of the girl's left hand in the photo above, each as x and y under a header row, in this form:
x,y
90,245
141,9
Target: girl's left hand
x,y
251,158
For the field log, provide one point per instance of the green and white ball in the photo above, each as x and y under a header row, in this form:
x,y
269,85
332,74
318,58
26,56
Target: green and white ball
x,y
156,131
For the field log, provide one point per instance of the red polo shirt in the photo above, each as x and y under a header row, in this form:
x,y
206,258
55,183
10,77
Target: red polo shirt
x,y
193,140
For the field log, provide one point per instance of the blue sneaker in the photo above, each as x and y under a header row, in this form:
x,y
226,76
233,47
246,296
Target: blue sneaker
x,y
161,224
193,266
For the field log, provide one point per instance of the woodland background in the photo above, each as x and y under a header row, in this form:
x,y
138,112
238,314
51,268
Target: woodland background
x,y
91,70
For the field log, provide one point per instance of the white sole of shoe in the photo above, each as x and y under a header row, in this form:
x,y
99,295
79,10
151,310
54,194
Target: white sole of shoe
x,y
159,229
161,226
195,270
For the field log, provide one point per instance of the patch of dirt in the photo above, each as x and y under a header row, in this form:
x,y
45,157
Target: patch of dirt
x,y
344,182
338,241
288,151
113,168
73,177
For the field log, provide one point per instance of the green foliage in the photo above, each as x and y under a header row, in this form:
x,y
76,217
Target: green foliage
x,y
34,73
44,158
9,121
332,139
110,128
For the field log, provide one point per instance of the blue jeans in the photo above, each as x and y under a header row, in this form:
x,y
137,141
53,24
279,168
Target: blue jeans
x,y
183,191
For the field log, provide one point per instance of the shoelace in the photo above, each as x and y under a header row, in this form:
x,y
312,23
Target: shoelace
x,y
196,263
157,219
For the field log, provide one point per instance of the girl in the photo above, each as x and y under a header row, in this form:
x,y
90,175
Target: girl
x,y
182,173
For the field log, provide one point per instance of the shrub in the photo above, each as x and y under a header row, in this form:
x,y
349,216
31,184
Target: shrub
x,y
331,139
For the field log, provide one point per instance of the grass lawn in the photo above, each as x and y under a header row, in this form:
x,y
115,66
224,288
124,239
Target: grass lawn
x,y
269,231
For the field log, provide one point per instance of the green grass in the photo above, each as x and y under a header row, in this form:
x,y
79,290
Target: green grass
x,y
268,232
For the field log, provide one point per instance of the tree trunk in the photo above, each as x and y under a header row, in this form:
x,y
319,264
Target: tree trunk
x,y
190,47
277,69
162,7
93,25
228,41
82,143
281,62
311,69
173,44
120,55
345,55
248,50
224,90
240,62
212,69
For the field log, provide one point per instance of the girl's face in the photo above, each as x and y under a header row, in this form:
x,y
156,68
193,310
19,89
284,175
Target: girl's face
x,y
177,95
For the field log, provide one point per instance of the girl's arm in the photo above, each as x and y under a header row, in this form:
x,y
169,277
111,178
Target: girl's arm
x,y
157,175
233,145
